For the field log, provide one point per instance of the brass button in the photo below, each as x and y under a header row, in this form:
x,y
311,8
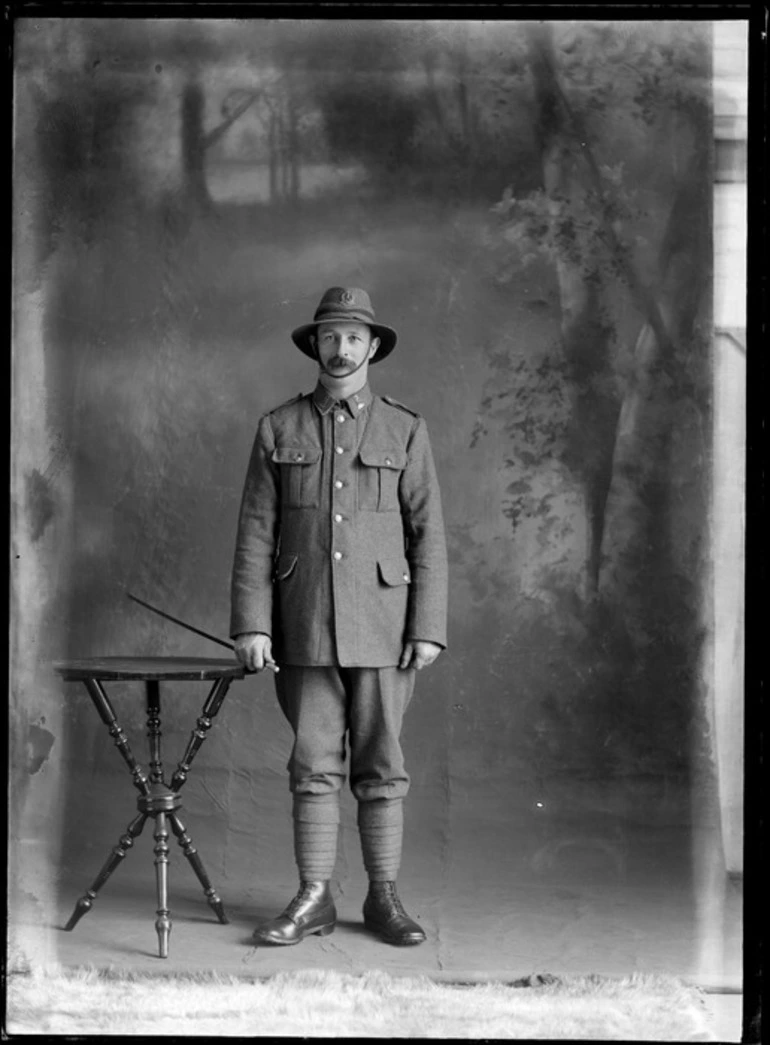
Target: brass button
x,y
406,576
298,457
340,449
338,555
360,406
340,418
338,484
338,518
388,461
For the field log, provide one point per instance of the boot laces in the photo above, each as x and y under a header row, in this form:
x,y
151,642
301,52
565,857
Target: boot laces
x,y
299,899
393,898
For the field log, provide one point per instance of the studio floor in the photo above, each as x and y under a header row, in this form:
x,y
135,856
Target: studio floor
x,y
501,900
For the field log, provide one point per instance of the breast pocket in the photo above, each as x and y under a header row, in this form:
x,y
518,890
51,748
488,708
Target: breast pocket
x,y
300,475
378,479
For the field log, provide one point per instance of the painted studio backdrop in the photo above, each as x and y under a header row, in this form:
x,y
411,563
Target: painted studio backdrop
x,y
537,225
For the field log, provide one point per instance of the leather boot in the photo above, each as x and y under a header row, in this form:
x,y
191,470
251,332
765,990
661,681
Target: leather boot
x,y
311,911
384,915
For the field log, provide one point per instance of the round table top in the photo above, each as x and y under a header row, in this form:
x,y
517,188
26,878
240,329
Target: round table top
x,y
149,668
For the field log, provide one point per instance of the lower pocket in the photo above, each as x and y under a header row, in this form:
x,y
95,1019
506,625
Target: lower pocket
x,y
394,572
285,566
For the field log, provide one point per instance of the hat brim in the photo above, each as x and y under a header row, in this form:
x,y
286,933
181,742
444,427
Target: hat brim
x,y
387,336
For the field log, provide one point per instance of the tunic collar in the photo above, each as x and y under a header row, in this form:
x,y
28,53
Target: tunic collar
x,y
355,404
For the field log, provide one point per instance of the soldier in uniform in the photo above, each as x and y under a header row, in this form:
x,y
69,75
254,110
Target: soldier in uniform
x,y
339,586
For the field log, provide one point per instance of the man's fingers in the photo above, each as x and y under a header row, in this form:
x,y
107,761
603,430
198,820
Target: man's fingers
x,y
264,660
256,656
245,658
423,657
261,662
418,655
267,656
255,660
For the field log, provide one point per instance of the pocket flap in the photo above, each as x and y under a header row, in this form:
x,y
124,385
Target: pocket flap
x,y
382,458
296,454
285,566
394,571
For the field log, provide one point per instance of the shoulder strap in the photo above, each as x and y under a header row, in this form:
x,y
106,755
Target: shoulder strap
x,y
394,402
294,399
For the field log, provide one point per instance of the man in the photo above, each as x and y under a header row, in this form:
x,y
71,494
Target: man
x,y
339,586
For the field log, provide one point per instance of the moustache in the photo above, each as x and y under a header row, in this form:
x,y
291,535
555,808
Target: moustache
x,y
336,363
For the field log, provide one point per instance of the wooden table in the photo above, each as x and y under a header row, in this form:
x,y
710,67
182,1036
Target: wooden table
x,y
157,798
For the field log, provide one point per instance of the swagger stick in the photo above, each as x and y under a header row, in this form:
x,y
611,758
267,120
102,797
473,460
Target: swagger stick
x,y
189,627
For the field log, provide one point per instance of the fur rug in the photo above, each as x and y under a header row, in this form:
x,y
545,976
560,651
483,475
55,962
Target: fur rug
x,y
321,1004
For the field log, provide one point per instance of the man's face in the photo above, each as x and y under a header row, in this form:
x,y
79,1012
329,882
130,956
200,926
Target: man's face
x,y
343,347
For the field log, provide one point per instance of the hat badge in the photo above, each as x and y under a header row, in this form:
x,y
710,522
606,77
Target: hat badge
x,y
346,298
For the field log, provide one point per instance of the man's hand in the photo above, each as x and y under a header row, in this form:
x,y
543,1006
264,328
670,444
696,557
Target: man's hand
x,y
254,650
419,654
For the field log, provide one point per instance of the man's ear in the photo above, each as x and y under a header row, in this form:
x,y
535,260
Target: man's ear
x,y
374,345
313,340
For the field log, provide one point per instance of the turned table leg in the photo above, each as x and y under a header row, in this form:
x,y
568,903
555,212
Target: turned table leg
x,y
210,709
153,730
161,802
107,715
196,863
163,921
85,903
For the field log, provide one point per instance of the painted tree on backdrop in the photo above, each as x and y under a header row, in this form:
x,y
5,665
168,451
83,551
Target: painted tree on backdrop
x,y
635,392
118,117
267,72
107,85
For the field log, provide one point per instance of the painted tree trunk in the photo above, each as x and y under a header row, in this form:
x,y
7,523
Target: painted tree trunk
x,y
273,155
195,189
660,378
434,103
292,150
586,333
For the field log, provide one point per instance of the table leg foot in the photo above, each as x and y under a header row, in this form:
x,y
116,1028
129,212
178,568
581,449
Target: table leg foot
x,y
83,906
216,905
163,929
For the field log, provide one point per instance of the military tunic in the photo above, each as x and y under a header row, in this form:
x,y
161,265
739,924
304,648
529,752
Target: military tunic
x,y
340,554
